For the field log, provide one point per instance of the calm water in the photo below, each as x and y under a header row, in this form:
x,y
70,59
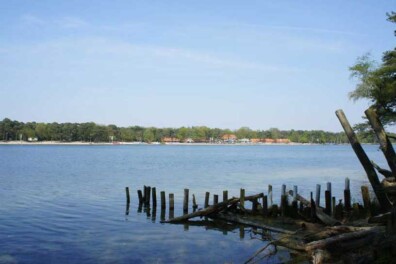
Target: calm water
x,y
66,204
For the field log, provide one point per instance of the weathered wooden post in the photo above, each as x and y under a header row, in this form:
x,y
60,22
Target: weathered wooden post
x,y
148,195
328,199
140,196
242,198
347,196
385,144
171,202
270,203
215,199
185,201
225,195
265,205
144,193
163,200
207,194
317,197
333,206
313,208
128,198
295,203
364,160
366,200
154,197
195,206
283,205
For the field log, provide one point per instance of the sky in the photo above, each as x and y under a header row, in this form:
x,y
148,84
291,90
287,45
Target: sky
x,y
225,64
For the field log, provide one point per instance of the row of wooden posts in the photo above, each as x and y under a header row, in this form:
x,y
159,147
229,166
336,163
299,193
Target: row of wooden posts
x,y
148,197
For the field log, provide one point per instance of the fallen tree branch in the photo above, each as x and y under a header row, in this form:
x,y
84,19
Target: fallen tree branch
x,y
384,172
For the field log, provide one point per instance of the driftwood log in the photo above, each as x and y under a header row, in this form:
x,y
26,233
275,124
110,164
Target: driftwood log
x,y
318,211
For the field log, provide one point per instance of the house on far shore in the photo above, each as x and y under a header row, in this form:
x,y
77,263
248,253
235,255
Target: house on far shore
x,y
229,138
244,140
255,140
188,140
170,140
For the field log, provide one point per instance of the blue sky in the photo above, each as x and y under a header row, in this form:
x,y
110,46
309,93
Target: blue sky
x,y
222,64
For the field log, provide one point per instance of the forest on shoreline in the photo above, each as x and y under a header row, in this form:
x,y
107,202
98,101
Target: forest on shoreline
x,y
92,132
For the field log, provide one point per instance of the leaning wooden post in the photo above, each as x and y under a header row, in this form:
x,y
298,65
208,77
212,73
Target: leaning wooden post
x,y
317,197
225,195
144,194
128,198
270,203
347,196
385,144
163,201
154,191
242,198
333,206
207,194
366,200
185,201
364,160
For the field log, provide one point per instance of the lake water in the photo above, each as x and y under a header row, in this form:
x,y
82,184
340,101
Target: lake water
x,y
66,204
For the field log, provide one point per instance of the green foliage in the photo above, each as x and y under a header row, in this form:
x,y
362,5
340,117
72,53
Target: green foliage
x,y
91,132
377,83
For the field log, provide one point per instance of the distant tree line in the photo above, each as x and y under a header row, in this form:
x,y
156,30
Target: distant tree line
x,y
91,132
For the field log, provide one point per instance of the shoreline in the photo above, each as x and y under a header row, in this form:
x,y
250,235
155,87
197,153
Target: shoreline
x,y
81,143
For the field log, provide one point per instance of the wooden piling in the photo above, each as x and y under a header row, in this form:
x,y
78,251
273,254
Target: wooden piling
x,y
270,203
163,200
154,192
171,202
148,196
207,194
242,198
317,197
215,199
347,195
225,195
365,161
366,200
333,206
254,205
327,202
295,192
265,205
185,200
195,205
128,198
144,194
140,196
